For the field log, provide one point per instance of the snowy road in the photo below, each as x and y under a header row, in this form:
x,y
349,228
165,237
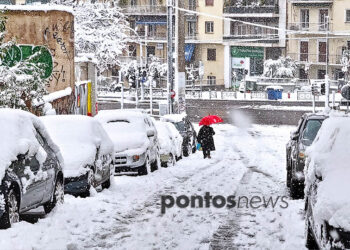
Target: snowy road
x,y
128,216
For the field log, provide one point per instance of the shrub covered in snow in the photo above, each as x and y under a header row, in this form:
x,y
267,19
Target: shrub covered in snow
x,y
22,83
328,165
284,67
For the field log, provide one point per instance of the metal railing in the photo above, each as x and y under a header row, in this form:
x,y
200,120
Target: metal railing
x,y
316,58
306,26
252,9
126,59
144,9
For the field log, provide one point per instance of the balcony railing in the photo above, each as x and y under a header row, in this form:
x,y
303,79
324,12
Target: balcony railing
x,y
274,9
310,26
145,60
191,37
144,9
150,36
316,58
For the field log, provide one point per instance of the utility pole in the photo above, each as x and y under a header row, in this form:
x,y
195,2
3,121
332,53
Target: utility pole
x,y
327,63
170,84
180,63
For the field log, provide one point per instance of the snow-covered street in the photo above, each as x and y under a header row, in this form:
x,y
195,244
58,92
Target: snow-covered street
x,y
128,215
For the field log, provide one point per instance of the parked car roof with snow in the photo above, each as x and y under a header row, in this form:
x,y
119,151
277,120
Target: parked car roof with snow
x,y
328,174
17,135
78,138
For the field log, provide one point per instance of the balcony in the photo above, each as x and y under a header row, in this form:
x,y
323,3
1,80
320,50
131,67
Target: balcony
x,y
154,36
144,10
191,36
248,32
314,27
263,9
318,59
314,3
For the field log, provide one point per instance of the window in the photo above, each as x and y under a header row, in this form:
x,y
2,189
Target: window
x,y
133,2
310,131
322,51
132,50
209,2
302,74
211,54
209,27
191,29
304,51
211,80
323,19
347,15
304,18
192,4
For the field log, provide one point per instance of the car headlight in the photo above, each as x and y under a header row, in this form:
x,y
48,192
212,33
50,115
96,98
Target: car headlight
x,y
136,158
301,155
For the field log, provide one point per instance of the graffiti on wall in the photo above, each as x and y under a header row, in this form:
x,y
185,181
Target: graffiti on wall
x,y
42,58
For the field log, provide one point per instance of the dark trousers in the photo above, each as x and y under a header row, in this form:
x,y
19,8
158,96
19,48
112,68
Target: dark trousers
x,y
206,153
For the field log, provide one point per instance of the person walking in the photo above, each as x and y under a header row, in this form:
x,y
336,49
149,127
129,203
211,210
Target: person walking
x,y
205,138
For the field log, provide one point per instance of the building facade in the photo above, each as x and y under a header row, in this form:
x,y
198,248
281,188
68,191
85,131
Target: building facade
x,y
314,28
247,45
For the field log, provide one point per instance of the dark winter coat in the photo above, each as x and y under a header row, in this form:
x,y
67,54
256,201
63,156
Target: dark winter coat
x,y
205,138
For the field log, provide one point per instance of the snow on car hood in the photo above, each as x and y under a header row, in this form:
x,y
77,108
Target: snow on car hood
x,y
126,129
78,138
329,158
17,135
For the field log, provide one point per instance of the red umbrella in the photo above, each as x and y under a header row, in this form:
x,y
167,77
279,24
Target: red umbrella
x,y
210,119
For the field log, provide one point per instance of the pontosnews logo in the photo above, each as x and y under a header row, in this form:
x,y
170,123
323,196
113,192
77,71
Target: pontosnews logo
x,y
219,201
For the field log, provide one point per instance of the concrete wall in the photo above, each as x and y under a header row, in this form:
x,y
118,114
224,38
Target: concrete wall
x,y
53,30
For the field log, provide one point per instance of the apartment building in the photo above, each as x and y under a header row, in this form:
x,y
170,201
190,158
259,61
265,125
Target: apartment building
x,y
309,25
246,46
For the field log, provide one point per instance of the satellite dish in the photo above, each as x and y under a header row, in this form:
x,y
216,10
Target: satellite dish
x,y
345,91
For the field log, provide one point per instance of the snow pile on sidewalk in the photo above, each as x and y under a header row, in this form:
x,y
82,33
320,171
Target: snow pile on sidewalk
x,y
78,137
328,158
18,136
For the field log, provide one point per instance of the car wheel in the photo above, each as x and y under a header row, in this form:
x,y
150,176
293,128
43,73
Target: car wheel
x,y
296,191
310,242
90,183
57,197
146,168
156,164
187,150
171,161
289,176
11,214
194,147
106,184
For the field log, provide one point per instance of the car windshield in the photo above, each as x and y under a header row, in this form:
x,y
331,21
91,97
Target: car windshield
x,y
180,126
310,131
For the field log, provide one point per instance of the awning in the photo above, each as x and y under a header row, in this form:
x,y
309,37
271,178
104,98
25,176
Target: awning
x,y
151,23
189,49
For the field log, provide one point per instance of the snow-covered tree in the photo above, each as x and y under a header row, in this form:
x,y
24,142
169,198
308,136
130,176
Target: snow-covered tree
x,y
100,29
22,83
130,72
284,67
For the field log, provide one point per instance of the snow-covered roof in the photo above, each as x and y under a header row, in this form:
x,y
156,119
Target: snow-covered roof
x,y
40,7
18,136
329,158
78,138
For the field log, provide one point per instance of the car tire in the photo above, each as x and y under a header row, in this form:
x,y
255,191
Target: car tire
x,y
296,192
106,184
11,214
310,241
194,147
57,197
289,176
146,168
171,161
187,151
156,164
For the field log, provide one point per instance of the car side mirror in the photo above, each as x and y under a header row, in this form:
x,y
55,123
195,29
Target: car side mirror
x,y
21,157
294,136
150,133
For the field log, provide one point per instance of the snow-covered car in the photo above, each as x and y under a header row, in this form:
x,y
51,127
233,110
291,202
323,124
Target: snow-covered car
x,y
30,167
300,140
187,131
327,200
135,141
86,149
170,143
